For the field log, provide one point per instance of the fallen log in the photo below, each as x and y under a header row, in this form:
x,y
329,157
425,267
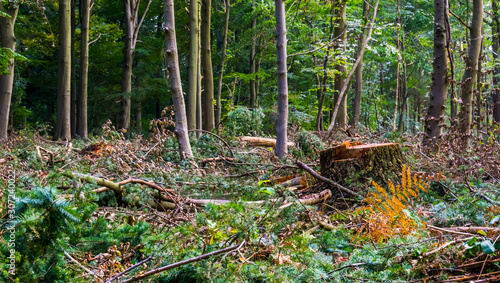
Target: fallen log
x,y
311,199
266,142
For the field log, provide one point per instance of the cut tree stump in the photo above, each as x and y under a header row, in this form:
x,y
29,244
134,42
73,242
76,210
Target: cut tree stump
x,y
354,165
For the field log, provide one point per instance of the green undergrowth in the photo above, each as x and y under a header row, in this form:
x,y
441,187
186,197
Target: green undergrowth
x,y
280,244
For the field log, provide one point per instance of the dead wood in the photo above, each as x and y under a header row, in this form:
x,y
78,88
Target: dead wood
x,y
6,159
181,263
328,181
218,159
266,142
311,199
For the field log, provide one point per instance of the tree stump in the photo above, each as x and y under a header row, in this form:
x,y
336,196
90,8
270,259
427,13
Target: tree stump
x,y
354,165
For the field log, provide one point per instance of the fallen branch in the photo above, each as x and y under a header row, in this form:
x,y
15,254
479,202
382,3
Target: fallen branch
x,y
449,231
81,265
181,263
328,181
6,159
130,268
312,199
444,246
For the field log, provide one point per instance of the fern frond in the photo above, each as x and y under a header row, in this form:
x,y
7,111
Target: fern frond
x,y
379,189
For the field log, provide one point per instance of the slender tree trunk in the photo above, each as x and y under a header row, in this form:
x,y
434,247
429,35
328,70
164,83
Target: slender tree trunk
x,y
435,113
479,79
344,87
82,129
194,56
397,68
281,55
496,56
340,46
453,98
206,57
253,91
181,129
404,98
74,94
322,84
199,91
221,70
7,40
132,26
468,80
63,124
138,117
359,69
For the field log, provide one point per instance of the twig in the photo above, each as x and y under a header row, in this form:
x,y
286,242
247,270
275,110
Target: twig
x,y
459,19
328,181
210,133
181,263
449,231
130,268
80,265
347,266
444,246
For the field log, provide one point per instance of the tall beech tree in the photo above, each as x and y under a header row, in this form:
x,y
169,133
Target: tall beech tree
x,y
282,119
181,128
496,57
132,26
206,65
358,86
471,65
194,57
221,69
82,128
8,43
63,124
439,89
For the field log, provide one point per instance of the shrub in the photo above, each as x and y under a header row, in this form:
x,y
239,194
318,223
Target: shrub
x,y
244,121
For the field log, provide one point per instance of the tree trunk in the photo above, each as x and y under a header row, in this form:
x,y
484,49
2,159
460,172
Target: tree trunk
x,y
404,98
281,42
132,26
479,78
74,94
221,70
253,91
396,96
199,105
7,40
468,80
63,124
340,46
322,84
194,56
181,129
435,113
359,69
82,129
496,55
208,79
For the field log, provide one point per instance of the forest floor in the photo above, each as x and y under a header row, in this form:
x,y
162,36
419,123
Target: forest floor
x,y
88,211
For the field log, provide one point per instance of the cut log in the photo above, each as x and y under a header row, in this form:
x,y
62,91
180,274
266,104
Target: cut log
x,y
354,165
266,142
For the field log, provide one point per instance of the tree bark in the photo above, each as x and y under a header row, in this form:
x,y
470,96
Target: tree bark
x,y
221,70
253,91
359,70
74,93
468,80
206,65
7,40
132,26
496,57
181,129
82,127
340,46
63,124
194,56
435,113
281,44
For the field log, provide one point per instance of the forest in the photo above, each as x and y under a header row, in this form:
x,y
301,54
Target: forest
x,y
249,141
